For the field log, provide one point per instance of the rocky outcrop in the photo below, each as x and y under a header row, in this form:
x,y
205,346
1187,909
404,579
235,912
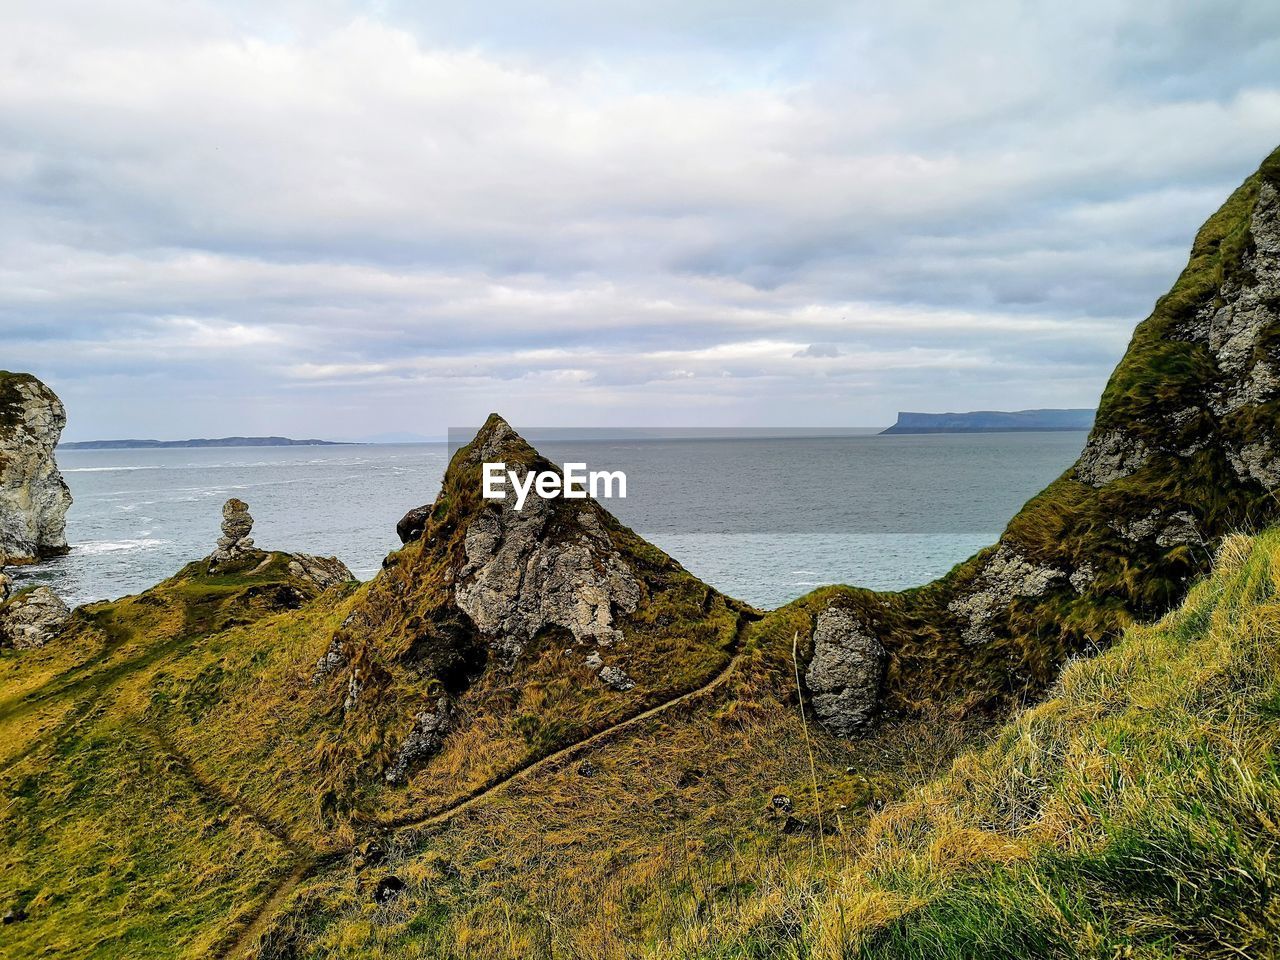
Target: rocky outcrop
x,y
33,496
413,523
32,619
423,741
615,678
550,564
235,542
1235,323
1239,328
1110,456
322,572
844,673
516,581
1005,577
1082,578
1167,530
1258,461
235,549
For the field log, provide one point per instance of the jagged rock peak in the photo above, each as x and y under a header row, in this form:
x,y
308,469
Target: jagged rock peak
x,y
550,563
495,440
487,586
33,496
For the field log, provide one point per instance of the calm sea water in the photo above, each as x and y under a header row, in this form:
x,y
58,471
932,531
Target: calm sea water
x,y
763,520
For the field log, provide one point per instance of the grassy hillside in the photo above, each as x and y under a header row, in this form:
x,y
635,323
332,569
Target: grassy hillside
x,y
1134,813
115,843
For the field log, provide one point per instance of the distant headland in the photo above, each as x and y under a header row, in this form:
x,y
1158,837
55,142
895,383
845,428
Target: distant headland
x,y
992,421
216,442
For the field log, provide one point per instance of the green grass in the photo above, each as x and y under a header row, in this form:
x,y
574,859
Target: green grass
x,y
131,856
1134,813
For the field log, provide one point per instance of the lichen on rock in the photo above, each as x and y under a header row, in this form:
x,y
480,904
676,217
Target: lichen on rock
x,y
1257,460
1007,576
1166,529
423,741
548,564
32,618
615,678
1247,307
844,673
1111,456
1082,577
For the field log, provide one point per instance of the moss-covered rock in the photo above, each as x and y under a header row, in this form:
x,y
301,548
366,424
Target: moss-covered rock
x,y
486,587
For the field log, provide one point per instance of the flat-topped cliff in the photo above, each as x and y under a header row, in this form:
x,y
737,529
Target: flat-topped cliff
x,y
992,421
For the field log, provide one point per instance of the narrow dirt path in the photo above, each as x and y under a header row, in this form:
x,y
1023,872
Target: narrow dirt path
x,y
279,894
276,898
216,793
581,746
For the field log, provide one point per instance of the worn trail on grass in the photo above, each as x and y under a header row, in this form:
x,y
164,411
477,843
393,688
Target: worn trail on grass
x,y
260,919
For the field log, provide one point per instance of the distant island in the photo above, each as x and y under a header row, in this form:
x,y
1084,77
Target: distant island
x,y
216,442
991,421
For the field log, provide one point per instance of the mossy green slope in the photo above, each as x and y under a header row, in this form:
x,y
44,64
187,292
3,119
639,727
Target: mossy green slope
x,y
1134,813
116,844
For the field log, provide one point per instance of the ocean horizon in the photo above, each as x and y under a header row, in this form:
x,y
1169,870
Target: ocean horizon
x,y
880,512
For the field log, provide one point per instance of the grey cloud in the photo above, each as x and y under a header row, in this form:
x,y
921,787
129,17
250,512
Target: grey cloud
x,y
819,350
701,210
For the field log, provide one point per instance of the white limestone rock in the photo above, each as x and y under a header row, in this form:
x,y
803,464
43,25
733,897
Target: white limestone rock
x,y
33,496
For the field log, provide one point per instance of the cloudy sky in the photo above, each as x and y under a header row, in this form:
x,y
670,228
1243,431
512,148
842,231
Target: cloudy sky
x,y
343,220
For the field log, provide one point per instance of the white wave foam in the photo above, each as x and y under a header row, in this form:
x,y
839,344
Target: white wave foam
x,y
110,469
95,547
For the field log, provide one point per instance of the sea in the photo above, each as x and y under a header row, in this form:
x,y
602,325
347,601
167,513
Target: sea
x,y
765,519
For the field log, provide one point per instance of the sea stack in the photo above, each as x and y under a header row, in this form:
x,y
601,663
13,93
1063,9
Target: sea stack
x,y
33,496
235,541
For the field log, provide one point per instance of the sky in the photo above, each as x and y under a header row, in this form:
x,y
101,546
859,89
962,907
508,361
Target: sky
x,y
353,220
